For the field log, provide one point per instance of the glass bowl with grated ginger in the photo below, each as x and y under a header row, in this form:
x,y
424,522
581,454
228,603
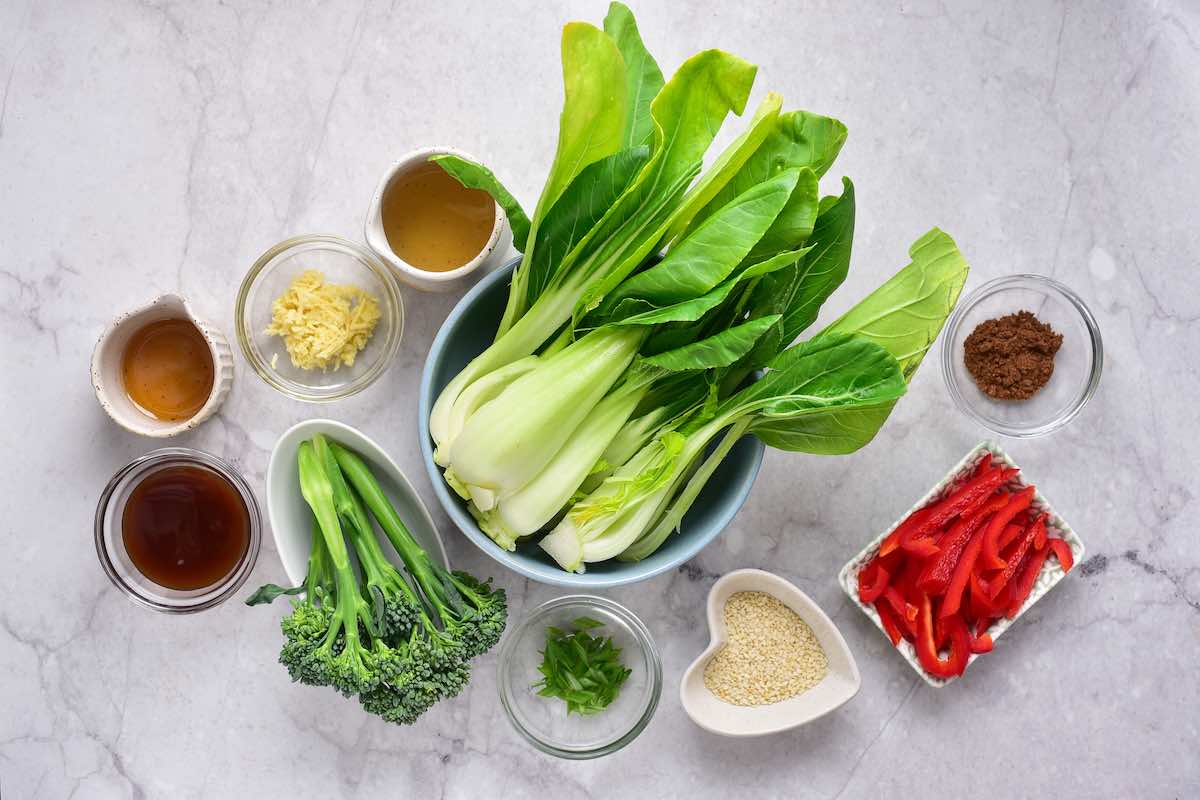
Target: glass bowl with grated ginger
x,y
319,318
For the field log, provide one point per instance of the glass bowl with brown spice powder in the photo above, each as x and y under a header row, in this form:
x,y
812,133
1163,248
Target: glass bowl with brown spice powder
x,y
1022,355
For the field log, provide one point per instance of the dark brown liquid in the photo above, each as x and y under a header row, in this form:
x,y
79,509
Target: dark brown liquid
x,y
168,369
435,223
185,527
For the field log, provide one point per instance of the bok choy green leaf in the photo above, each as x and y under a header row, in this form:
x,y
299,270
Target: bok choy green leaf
x,y
643,78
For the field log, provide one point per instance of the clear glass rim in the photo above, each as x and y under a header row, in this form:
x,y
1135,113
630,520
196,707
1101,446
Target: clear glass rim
x,y
236,577
645,642
985,291
394,309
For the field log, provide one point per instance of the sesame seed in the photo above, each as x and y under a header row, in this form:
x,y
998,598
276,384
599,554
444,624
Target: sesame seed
x,y
769,656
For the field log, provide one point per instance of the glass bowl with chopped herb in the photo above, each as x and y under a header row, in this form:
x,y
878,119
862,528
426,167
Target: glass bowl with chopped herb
x,y
319,318
1022,355
580,677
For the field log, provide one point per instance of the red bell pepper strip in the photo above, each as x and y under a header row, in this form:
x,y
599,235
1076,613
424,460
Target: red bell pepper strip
x,y
1022,585
1062,551
981,644
963,570
876,574
936,576
872,580
927,653
903,578
981,604
1001,600
1039,540
1010,534
916,538
974,492
991,538
1024,544
912,521
891,625
923,547
891,562
906,585
892,541
906,613
982,624
983,465
917,518
941,630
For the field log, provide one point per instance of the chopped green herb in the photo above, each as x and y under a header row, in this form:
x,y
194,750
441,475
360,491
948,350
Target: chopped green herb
x,y
583,670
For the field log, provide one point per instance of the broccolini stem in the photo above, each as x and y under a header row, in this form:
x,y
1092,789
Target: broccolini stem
x,y
358,526
318,493
318,579
415,559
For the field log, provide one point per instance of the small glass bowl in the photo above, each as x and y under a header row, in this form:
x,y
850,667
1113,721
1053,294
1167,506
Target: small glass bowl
x,y
110,544
342,262
1077,365
544,720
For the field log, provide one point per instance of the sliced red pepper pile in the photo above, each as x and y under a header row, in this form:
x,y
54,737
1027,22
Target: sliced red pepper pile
x,y
950,570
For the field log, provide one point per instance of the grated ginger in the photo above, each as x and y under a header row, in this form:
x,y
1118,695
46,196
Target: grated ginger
x,y
323,325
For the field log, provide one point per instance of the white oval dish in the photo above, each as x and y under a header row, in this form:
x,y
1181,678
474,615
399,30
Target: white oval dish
x,y
716,716
110,386
291,518
427,280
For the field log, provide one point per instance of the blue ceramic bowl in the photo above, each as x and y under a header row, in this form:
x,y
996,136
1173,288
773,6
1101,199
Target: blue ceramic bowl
x,y
464,335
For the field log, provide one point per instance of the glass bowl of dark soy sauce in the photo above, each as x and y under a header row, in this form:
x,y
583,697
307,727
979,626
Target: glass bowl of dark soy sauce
x,y
178,530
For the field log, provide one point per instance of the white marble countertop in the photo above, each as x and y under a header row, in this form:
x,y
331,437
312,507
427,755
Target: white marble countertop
x,y
149,146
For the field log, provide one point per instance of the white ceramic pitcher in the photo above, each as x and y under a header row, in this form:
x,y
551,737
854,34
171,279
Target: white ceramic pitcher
x,y
110,385
493,253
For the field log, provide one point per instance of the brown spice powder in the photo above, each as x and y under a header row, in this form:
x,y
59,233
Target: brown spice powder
x,y
1012,357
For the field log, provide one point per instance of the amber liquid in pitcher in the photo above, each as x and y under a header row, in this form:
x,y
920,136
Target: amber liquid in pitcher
x,y
433,222
185,527
168,369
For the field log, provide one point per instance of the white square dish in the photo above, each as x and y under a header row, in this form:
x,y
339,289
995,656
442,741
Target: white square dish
x,y
1050,575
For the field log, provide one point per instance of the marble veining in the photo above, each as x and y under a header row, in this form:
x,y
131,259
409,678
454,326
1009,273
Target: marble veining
x,y
150,146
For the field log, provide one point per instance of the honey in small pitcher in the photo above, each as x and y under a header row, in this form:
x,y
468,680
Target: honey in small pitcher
x,y
433,222
168,370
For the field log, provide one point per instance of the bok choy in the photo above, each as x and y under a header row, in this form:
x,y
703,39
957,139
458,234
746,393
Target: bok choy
x,y
655,314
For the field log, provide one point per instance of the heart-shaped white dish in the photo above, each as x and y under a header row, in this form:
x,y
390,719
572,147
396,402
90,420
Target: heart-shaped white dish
x,y
715,715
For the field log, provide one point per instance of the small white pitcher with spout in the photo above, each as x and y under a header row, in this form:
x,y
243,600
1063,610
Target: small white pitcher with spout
x,y
492,254
110,385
